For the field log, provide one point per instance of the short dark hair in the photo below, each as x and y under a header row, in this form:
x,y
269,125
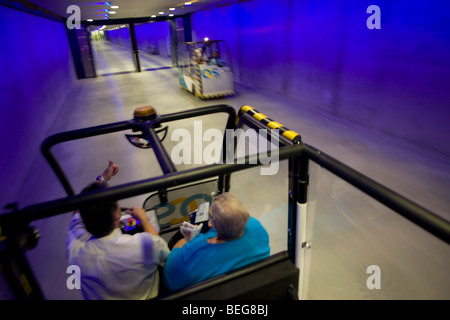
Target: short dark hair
x,y
98,219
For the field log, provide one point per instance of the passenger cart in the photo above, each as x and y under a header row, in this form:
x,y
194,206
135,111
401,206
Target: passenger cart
x,y
281,276
205,68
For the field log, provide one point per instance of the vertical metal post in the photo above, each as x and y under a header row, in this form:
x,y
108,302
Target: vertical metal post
x,y
91,54
303,245
48,155
173,42
76,52
163,157
228,148
134,48
297,221
187,28
16,239
293,200
21,279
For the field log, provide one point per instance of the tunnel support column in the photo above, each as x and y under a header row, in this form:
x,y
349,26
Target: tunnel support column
x,y
134,48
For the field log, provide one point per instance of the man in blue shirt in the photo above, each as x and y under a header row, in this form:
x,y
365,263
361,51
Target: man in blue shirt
x,y
216,60
235,240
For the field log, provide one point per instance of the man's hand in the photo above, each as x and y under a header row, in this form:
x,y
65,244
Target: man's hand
x,y
110,171
139,214
189,231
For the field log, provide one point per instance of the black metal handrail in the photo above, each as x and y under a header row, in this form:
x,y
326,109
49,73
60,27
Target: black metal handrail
x,y
407,208
146,127
400,204
127,190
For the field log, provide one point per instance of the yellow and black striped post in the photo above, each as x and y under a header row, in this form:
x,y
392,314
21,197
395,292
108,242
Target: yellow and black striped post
x,y
285,132
199,88
298,191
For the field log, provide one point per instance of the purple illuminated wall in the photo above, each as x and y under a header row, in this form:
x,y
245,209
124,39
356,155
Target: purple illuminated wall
x,y
322,55
153,35
148,36
120,36
37,74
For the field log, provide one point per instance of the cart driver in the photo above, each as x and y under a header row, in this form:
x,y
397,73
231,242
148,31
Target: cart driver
x,y
216,60
200,56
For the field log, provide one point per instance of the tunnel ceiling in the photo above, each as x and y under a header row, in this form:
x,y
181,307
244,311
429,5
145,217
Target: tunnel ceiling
x,y
127,8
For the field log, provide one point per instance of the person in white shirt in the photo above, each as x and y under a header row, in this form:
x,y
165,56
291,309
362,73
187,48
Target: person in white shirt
x,y
114,265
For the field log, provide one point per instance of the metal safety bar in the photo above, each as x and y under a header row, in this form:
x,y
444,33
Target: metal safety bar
x,y
48,143
147,129
417,214
127,190
400,204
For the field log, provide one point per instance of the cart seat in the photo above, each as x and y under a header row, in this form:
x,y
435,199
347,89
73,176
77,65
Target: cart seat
x,y
273,278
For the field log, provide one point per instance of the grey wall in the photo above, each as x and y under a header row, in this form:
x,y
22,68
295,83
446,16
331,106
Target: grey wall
x,y
37,73
322,55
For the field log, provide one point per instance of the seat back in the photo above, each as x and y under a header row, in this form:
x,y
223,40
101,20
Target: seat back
x,y
274,278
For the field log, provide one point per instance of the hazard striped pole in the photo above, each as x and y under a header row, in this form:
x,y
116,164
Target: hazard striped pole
x,y
285,132
299,227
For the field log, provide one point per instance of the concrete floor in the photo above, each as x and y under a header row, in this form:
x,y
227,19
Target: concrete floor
x,y
348,230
